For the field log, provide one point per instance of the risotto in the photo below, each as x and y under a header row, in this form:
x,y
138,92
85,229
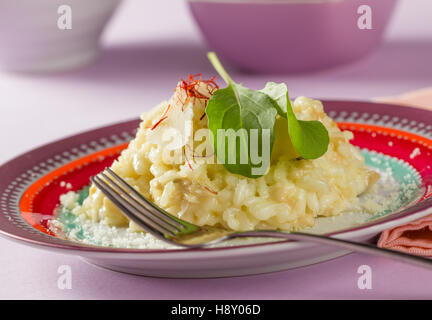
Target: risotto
x,y
192,185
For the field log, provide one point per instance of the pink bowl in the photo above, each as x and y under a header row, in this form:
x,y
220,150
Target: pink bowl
x,y
290,36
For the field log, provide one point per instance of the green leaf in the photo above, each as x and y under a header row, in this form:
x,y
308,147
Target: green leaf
x,y
278,93
309,138
237,110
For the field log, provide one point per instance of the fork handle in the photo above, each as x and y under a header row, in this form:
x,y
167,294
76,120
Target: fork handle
x,y
344,244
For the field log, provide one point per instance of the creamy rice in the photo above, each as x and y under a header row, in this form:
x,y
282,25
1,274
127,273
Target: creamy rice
x,y
290,196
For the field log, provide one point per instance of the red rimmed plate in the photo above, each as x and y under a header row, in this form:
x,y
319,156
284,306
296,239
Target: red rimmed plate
x,y
32,183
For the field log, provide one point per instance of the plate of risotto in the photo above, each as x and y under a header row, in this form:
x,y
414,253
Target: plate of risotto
x,y
342,168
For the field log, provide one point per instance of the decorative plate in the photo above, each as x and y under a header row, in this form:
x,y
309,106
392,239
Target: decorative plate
x,y
393,138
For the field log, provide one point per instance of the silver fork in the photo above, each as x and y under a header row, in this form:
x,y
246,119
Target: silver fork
x,y
175,231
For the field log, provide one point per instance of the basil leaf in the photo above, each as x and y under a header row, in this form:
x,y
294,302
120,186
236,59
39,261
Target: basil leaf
x,y
237,110
278,94
309,138
283,145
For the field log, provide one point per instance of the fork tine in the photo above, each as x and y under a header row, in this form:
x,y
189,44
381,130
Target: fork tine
x,y
139,206
152,209
130,210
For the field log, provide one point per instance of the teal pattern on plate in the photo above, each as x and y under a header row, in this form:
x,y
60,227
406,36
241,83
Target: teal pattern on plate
x,y
408,179
70,221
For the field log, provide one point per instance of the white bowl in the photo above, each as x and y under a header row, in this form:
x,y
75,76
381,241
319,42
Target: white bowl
x,y
31,41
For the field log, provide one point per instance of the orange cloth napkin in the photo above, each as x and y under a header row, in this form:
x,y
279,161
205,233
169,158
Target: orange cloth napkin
x,y
414,237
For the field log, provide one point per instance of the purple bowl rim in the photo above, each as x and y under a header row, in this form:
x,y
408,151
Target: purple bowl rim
x,y
425,205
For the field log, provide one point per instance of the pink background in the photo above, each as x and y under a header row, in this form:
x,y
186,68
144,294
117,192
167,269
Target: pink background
x,y
148,46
